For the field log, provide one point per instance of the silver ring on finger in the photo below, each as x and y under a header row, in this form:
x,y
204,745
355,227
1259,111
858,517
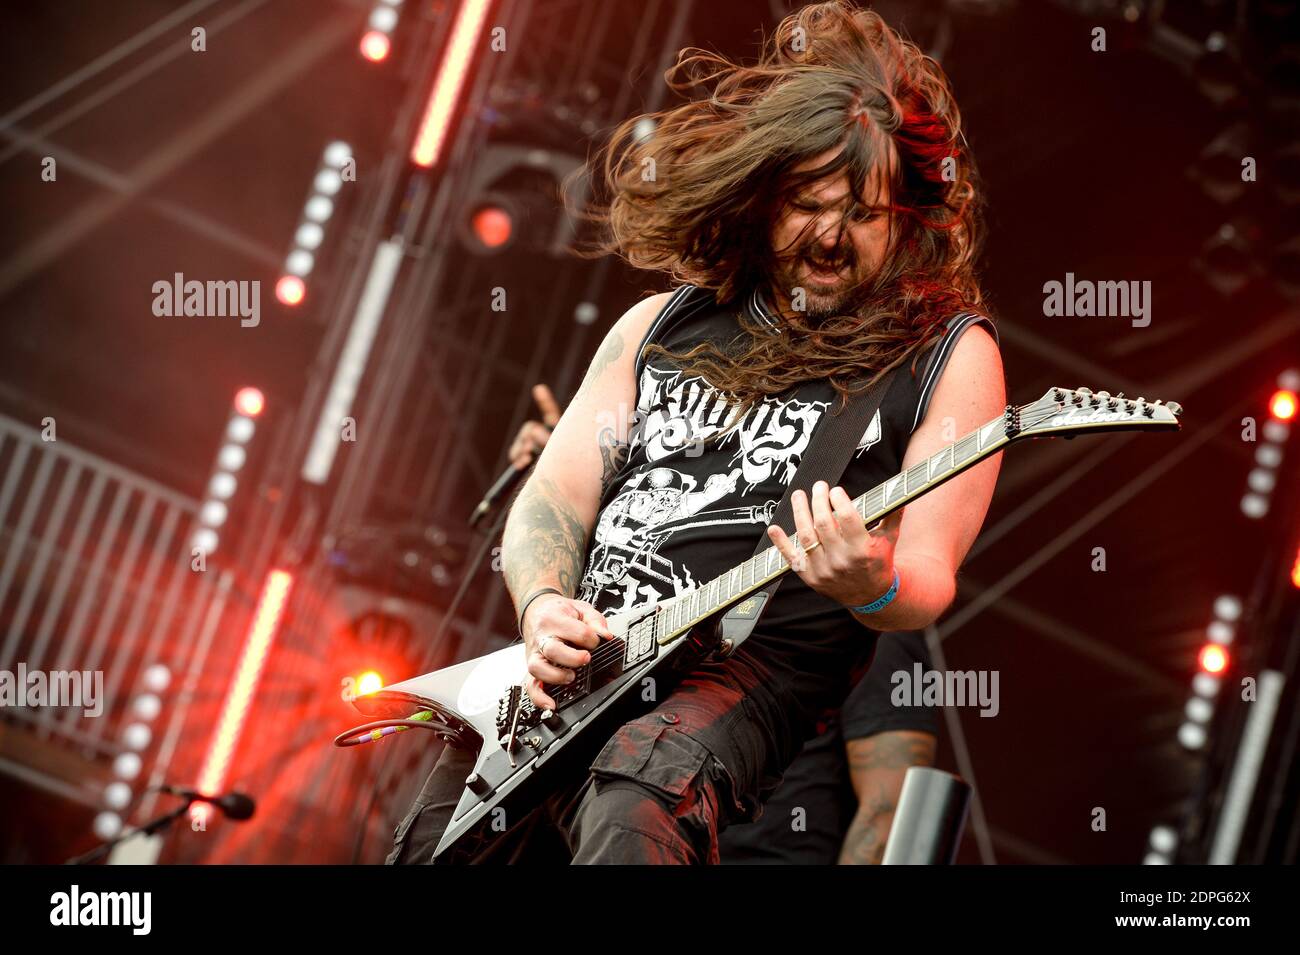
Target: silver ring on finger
x,y
541,644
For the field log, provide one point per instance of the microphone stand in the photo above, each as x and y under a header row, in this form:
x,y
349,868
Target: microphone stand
x,y
148,829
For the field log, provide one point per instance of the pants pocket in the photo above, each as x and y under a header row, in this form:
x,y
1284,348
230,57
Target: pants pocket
x,y
652,752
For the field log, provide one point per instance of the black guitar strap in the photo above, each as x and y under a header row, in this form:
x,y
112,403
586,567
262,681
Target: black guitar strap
x,y
833,443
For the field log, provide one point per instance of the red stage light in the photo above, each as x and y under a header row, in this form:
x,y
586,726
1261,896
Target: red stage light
x,y
452,73
1295,569
1213,658
290,290
1282,405
375,46
492,226
249,402
369,682
266,620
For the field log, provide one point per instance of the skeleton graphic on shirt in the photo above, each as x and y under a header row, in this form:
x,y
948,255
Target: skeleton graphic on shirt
x,y
678,415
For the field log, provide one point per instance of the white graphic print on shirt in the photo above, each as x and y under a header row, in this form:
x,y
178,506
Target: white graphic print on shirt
x,y
679,415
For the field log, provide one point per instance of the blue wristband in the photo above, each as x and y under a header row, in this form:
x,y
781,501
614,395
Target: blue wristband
x,y
880,603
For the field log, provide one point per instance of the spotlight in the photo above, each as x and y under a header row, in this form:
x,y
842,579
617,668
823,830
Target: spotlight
x,y
249,402
290,289
1219,167
1282,405
1227,260
1213,658
375,46
1191,735
492,226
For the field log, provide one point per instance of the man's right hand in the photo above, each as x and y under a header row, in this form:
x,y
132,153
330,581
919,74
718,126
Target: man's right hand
x,y
558,635
533,435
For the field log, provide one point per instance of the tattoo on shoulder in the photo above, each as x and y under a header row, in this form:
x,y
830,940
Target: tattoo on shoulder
x,y
610,352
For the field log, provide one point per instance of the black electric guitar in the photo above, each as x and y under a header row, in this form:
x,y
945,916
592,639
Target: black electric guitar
x,y
480,704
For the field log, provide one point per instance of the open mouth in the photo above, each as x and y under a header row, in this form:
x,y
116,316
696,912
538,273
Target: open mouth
x,y
822,273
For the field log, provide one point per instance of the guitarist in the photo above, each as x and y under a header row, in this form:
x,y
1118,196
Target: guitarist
x,y
820,209
837,799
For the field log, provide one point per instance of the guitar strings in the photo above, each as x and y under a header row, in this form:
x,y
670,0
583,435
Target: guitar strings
x,y
611,653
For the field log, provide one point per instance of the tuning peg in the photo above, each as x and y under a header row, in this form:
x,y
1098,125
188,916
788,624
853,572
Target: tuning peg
x,y
1084,391
1175,408
1119,394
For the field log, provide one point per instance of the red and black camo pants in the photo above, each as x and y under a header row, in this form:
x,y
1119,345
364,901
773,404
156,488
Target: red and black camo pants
x,y
660,791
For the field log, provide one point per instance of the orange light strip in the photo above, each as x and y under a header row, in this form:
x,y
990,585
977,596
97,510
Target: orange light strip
x,y
465,35
266,621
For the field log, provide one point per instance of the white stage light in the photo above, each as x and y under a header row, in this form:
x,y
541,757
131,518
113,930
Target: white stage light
x,y
108,825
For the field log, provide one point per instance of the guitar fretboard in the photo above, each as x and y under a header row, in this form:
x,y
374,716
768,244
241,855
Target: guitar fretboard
x,y
679,614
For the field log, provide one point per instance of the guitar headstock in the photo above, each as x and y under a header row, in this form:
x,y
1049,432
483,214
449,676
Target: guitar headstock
x,y
1071,411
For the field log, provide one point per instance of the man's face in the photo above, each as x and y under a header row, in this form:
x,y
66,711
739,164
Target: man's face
x,y
827,245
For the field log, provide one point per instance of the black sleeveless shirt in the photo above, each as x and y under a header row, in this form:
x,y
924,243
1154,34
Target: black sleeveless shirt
x,y
686,506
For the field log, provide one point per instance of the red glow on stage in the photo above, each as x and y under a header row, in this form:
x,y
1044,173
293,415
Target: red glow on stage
x,y
369,682
290,289
447,86
1213,658
261,632
1295,569
492,226
1282,405
375,46
249,402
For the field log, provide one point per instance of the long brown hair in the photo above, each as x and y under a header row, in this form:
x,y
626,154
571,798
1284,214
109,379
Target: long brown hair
x,y
698,196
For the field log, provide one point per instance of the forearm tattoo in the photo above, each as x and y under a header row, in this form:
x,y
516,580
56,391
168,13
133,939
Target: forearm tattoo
x,y
544,541
864,844
877,766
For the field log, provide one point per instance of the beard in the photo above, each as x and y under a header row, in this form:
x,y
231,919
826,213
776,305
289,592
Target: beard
x,y
832,284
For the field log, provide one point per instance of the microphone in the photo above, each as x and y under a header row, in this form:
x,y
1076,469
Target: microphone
x,y
235,805
508,479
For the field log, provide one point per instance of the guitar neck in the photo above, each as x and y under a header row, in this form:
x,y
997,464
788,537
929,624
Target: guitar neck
x,y
677,615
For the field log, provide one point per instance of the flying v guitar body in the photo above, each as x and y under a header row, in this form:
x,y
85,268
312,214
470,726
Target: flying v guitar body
x,y
522,756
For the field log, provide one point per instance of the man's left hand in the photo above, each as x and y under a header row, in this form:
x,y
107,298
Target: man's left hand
x,y
835,554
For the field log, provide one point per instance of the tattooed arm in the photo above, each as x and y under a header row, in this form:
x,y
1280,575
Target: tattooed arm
x,y
877,765
545,542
